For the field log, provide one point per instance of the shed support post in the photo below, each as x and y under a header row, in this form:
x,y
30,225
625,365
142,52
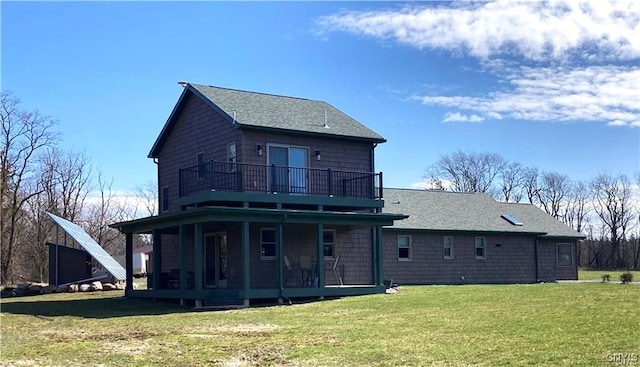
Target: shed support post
x,y
128,256
157,258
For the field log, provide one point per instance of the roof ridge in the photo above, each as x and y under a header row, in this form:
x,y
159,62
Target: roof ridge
x,y
437,191
512,203
254,92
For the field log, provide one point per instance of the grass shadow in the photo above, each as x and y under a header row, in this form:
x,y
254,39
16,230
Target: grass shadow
x,y
96,308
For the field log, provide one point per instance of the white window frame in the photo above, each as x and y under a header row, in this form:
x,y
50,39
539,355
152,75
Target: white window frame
x,y
164,198
232,158
570,253
200,165
262,242
409,247
483,247
448,244
333,244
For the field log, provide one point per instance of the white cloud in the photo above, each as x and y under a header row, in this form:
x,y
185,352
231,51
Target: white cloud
x,y
532,29
582,56
597,93
458,117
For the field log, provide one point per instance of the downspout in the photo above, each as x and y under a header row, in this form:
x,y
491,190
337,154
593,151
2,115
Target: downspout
x,y
535,255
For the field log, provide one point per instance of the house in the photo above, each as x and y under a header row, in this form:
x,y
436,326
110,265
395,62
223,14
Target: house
x,y
457,238
262,196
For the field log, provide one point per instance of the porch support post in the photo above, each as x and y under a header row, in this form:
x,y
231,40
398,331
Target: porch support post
x,y
279,254
157,258
198,254
379,256
128,261
320,255
183,257
246,263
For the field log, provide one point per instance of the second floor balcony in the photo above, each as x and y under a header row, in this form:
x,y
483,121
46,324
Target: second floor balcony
x,y
215,176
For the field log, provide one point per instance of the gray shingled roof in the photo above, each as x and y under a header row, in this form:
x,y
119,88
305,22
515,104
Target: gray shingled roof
x,y
260,110
452,211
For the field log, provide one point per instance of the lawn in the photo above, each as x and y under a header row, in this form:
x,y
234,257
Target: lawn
x,y
584,274
488,325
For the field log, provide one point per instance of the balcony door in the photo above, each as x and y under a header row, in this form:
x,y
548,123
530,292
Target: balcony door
x,y
215,260
290,173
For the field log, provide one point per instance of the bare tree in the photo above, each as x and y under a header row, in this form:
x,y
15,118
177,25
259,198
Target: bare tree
x,y
552,190
530,183
147,194
577,209
468,172
65,180
24,135
612,204
512,183
102,212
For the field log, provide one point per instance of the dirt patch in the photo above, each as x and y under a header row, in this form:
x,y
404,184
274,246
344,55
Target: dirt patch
x,y
247,328
260,355
132,347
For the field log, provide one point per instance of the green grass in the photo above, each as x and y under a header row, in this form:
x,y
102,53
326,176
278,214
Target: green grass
x,y
584,274
496,325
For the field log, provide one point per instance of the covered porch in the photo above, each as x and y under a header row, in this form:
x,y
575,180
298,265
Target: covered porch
x,y
229,256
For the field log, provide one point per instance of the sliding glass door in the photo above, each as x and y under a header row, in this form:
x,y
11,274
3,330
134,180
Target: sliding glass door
x,y
290,173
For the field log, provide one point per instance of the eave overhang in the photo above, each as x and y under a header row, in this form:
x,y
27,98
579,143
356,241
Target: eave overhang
x,y
226,214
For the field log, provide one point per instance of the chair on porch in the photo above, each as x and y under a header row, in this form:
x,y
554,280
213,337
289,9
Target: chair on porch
x,y
174,279
306,270
290,268
336,271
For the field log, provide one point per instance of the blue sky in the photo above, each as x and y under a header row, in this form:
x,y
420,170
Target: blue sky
x,y
553,87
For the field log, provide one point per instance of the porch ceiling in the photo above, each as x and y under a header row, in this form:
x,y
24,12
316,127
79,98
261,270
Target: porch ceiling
x,y
227,214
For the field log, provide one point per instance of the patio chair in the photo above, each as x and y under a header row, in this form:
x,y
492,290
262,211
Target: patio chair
x,y
336,271
290,267
306,270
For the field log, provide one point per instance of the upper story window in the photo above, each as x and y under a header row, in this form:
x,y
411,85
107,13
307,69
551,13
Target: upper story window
x,y
481,248
267,244
448,247
164,197
404,248
565,254
329,243
202,169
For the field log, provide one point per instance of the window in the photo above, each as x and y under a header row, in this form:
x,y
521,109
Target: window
x,y
165,199
404,248
565,254
448,247
267,243
329,243
202,168
231,157
481,248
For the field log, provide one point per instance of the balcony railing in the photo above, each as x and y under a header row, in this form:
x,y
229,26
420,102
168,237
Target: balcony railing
x,y
242,177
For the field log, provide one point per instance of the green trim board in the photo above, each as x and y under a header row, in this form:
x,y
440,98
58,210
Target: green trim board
x,y
255,197
226,214
258,293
